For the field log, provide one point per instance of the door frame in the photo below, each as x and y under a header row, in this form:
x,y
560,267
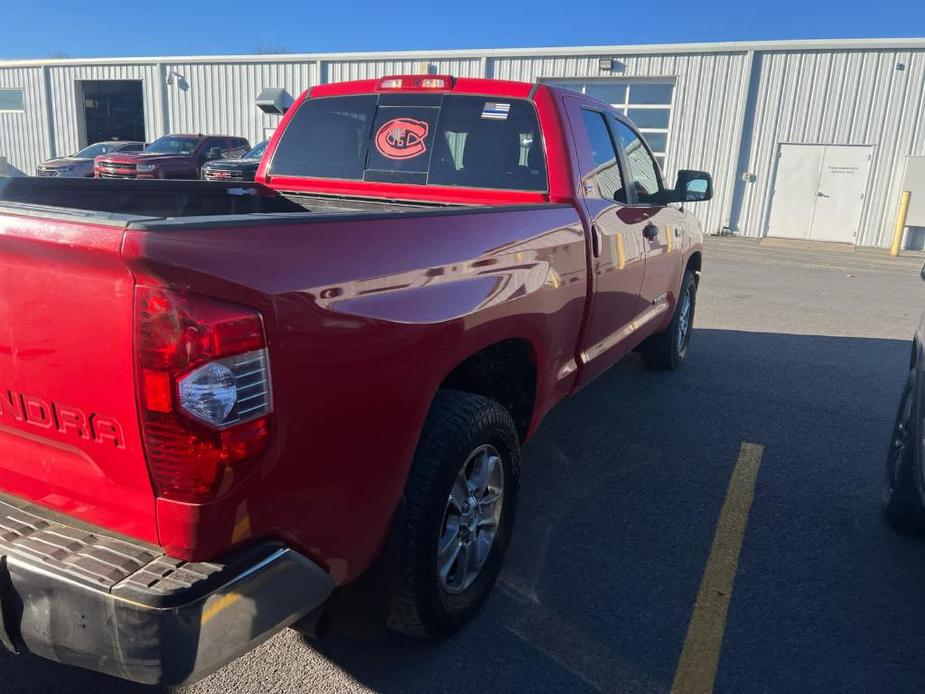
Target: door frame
x,y
80,98
772,180
80,104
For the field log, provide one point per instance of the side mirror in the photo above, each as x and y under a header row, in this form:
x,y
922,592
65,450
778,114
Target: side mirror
x,y
214,153
692,186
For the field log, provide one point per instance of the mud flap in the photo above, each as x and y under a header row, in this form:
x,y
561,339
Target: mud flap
x,y
8,636
361,609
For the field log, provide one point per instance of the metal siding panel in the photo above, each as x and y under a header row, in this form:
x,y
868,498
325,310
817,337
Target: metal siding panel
x,y
838,97
346,70
219,97
710,94
65,106
23,136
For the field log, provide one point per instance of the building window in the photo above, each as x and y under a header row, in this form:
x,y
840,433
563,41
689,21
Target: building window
x,y
646,103
11,100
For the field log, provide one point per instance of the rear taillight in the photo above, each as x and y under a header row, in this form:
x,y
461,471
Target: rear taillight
x,y
203,389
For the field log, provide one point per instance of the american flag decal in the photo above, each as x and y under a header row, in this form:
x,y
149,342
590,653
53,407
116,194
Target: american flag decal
x,y
496,111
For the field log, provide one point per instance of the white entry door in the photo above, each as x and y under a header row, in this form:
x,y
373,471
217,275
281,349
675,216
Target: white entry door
x,y
819,192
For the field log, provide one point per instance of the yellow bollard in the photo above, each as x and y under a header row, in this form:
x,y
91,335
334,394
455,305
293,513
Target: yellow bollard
x,y
900,223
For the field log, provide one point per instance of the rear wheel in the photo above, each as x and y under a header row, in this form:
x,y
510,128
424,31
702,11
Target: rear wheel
x,y
902,497
667,349
461,499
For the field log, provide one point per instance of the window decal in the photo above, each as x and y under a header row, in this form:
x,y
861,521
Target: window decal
x,y
496,111
402,138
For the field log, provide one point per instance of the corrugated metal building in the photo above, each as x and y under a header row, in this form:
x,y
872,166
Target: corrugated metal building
x,y
830,119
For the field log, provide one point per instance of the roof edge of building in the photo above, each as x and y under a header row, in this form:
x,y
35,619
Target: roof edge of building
x,y
552,51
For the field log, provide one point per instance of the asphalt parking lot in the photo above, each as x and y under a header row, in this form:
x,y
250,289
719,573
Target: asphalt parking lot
x,y
801,352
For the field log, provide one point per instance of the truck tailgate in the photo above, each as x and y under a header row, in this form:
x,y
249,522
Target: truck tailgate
x,y
69,433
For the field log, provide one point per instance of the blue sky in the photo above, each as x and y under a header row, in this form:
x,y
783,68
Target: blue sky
x,y
53,28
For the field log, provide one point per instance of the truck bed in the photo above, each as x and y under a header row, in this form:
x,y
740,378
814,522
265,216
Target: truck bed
x,y
116,200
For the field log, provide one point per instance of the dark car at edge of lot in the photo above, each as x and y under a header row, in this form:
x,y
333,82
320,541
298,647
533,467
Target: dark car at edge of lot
x,y
171,156
80,164
242,169
904,492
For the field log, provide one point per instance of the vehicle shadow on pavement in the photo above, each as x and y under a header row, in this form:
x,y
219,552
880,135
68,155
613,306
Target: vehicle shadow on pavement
x,y
28,673
620,494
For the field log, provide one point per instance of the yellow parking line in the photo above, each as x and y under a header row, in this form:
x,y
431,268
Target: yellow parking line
x,y
696,671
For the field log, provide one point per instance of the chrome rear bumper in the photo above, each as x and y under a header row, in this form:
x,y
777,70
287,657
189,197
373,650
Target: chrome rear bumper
x,y
105,604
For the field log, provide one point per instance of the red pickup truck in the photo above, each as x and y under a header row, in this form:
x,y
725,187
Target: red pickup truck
x,y
170,156
230,408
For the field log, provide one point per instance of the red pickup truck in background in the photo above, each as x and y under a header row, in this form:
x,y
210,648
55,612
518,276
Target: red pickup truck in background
x,y
170,156
230,408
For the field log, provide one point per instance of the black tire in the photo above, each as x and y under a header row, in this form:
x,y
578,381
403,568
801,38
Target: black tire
x,y
666,350
903,491
458,424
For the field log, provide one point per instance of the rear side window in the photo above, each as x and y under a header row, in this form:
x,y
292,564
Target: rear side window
x,y
448,140
237,146
214,142
603,156
642,166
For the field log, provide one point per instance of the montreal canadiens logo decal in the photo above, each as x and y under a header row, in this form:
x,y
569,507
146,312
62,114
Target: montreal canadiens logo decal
x,y
402,138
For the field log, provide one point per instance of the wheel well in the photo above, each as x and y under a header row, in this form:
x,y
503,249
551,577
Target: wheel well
x,y
504,372
693,263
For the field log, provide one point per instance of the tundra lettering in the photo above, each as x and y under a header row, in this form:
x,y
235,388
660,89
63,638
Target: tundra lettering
x,y
47,414
316,385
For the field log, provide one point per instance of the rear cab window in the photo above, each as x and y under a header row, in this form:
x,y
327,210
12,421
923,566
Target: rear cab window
x,y
422,139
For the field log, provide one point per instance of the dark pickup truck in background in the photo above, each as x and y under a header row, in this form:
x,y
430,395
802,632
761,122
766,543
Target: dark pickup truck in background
x,y
242,169
171,156
230,408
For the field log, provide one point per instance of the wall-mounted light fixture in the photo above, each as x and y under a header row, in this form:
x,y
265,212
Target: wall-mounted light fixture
x,y
174,77
610,65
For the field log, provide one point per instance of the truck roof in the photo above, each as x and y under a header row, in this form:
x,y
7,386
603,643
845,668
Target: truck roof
x,y
199,136
458,85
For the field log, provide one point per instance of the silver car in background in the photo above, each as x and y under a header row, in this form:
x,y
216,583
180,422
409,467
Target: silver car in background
x,y
80,165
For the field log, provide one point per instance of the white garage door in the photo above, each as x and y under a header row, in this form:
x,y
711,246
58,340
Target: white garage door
x,y
819,192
